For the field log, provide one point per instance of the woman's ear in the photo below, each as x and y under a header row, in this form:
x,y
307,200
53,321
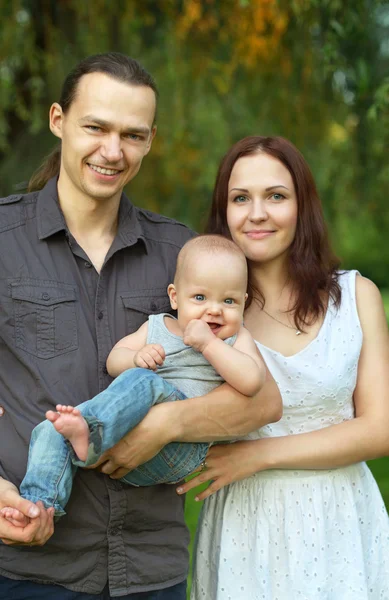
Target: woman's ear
x,y
172,293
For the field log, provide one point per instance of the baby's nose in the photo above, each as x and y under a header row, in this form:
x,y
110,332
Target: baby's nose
x,y
214,309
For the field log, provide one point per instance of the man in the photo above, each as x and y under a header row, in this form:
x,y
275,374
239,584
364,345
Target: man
x,y
80,267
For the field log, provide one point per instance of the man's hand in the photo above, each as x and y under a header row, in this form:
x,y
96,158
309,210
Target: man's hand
x,y
39,528
198,334
140,445
150,357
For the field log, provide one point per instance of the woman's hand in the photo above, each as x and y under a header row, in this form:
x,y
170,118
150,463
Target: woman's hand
x,y
40,526
140,445
225,463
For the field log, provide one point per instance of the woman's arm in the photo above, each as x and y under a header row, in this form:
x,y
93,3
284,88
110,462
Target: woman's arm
x,y
363,438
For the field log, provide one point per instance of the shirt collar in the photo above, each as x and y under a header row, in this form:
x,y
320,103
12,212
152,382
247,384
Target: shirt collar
x,y
50,219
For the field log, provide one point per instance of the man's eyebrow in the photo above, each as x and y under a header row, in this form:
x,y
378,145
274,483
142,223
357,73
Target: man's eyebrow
x,y
103,123
97,120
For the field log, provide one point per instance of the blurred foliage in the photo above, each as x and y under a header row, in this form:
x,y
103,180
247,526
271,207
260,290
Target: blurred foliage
x,y
314,71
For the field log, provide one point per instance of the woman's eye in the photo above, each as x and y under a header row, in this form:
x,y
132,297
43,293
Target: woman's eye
x,y
276,196
199,297
240,199
229,301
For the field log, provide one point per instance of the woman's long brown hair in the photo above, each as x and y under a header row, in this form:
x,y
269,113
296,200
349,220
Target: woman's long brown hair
x,y
313,268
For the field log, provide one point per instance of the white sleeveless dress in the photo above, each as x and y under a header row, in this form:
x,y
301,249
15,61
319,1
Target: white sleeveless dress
x,y
301,534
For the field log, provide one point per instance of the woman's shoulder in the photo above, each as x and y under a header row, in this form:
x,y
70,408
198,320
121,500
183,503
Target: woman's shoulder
x,y
364,295
371,312
367,293
362,285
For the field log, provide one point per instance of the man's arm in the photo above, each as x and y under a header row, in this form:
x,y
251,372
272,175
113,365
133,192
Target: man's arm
x,y
223,414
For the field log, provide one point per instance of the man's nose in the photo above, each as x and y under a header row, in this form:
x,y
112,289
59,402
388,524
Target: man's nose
x,y
111,149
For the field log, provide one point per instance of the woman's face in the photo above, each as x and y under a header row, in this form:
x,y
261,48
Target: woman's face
x,y
261,207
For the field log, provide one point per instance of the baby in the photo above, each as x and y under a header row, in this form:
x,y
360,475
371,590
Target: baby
x,y
165,360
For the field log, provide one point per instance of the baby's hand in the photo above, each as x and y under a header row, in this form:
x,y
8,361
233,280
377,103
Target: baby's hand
x,y
150,357
14,516
198,334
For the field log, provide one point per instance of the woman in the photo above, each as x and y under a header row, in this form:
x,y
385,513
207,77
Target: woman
x,y
302,517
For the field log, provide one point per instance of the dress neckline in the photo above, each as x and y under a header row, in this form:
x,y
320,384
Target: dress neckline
x,y
315,339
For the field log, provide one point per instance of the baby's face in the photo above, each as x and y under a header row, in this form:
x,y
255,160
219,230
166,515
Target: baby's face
x,y
211,288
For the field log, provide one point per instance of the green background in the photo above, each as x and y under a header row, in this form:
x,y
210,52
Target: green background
x,y
314,71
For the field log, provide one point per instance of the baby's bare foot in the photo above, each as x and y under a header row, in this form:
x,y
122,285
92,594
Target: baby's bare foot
x,y
14,516
70,423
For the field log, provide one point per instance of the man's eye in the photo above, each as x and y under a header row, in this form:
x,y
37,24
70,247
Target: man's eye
x,y
200,297
229,301
93,128
133,136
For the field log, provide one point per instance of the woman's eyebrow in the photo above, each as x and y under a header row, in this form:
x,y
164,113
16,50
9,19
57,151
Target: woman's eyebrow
x,y
239,190
272,187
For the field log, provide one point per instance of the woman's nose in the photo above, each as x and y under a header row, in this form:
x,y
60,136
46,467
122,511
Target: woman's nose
x,y
258,211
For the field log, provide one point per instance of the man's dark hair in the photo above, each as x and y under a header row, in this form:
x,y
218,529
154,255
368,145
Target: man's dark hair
x,y
114,64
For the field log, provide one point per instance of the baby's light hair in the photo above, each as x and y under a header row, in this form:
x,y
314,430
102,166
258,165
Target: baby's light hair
x,y
209,243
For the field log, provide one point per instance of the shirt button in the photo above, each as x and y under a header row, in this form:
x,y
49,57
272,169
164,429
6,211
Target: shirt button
x,y
105,370
45,296
153,306
114,531
87,264
2,411
100,316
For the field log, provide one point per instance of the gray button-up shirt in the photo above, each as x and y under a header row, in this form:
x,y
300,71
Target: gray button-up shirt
x,y
59,319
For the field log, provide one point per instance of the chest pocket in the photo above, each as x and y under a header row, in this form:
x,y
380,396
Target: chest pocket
x,y
142,303
45,317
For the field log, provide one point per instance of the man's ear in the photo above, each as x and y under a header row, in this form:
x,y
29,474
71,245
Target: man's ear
x,y
245,297
151,138
56,119
172,293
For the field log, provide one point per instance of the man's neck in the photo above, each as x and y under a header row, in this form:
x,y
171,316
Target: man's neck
x,y
87,217
92,222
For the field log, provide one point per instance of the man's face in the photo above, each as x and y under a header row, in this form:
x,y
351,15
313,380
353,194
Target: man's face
x,y
105,134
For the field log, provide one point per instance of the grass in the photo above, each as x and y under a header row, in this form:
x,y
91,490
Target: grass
x,y
379,468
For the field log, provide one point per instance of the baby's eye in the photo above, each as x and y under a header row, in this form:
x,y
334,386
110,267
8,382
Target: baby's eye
x,y
200,297
229,301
